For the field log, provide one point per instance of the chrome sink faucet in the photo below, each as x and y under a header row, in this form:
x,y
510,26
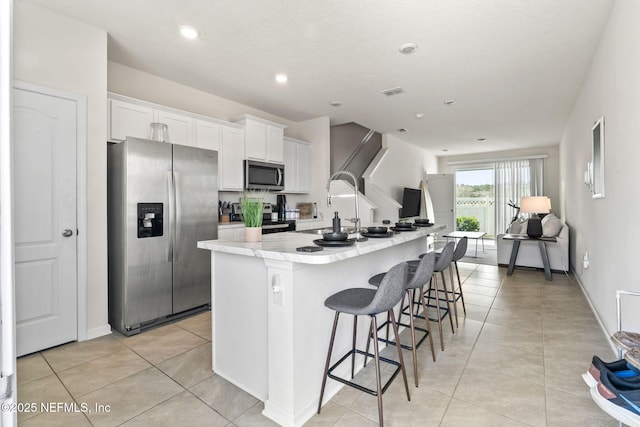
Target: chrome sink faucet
x,y
355,220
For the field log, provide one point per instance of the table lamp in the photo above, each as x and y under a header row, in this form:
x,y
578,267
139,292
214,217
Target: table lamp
x,y
534,206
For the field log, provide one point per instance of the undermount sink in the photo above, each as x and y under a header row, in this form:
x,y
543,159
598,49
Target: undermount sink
x,y
321,231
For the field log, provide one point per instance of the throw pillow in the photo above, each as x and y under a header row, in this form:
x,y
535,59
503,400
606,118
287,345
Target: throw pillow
x,y
518,227
551,226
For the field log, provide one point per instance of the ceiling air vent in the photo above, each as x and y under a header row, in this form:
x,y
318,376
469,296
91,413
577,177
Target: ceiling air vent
x,y
393,91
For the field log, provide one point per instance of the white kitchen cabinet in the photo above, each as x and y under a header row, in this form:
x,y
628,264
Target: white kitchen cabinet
x,y
127,119
275,144
255,140
230,162
263,139
208,135
180,127
297,163
133,119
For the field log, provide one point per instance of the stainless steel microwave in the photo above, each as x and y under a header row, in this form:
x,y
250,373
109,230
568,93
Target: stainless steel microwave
x,y
263,176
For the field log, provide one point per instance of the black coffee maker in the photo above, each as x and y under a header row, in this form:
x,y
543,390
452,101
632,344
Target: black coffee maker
x,y
281,205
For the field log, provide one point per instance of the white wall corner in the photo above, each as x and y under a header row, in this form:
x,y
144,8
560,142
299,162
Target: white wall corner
x,y
377,160
343,203
387,207
100,331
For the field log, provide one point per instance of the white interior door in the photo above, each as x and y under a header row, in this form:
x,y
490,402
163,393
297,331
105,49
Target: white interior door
x,y
45,220
442,192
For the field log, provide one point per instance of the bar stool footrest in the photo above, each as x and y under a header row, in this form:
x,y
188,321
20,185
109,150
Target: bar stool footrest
x,y
404,346
443,310
358,386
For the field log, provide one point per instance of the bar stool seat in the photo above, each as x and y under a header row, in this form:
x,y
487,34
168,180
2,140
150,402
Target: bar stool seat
x,y
370,302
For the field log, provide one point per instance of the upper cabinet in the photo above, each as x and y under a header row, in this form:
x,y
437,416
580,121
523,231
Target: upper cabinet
x,y
127,119
132,117
208,135
231,165
264,139
180,127
297,164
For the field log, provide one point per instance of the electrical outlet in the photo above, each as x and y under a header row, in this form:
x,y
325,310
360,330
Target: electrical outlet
x,y
585,260
278,298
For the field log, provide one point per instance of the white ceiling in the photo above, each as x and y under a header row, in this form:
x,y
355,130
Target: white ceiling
x,y
515,67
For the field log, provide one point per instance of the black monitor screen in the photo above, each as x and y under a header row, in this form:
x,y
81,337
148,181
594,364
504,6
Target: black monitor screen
x,y
410,203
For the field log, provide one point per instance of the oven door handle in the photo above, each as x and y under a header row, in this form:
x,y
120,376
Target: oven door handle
x,y
275,226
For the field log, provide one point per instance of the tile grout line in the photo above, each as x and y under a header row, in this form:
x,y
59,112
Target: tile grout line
x,y
472,347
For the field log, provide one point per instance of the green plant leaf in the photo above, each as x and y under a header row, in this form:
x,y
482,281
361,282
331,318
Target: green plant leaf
x,y
251,203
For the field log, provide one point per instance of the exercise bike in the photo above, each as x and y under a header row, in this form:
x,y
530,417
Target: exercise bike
x,y
516,216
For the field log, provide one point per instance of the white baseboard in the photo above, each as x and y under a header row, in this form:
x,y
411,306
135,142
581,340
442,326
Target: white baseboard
x,y
97,332
614,349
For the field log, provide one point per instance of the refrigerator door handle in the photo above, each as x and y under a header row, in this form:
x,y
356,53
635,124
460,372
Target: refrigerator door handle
x,y
170,189
178,210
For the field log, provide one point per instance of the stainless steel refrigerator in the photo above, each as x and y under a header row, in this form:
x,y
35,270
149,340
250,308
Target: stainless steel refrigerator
x,y
162,199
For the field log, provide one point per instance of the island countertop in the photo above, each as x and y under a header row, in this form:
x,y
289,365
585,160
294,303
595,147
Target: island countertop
x,y
282,246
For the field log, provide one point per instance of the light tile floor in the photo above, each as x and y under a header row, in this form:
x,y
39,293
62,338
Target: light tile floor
x,y
516,360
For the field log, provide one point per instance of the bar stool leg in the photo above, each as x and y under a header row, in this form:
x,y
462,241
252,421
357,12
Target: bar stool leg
x,y
428,323
446,294
397,336
464,308
453,294
413,337
326,366
376,354
434,283
369,337
353,346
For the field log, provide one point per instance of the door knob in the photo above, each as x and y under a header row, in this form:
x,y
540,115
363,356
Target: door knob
x,y
67,232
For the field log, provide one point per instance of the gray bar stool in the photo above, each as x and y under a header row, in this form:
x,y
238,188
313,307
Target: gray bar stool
x,y
443,261
370,302
415,285
461,250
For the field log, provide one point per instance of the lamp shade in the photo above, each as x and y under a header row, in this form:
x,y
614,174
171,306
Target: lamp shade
x,y
537,204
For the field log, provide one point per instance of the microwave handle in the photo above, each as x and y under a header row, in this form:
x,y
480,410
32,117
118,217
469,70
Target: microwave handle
x,y
278,176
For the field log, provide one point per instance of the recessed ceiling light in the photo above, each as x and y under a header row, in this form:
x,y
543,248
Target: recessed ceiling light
x,y
402,130
281,78
444,149
408,48
189,32
419,115
335,103
450,102
482,139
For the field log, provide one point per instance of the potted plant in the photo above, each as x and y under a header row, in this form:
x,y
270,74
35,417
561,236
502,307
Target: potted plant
x,y
251,204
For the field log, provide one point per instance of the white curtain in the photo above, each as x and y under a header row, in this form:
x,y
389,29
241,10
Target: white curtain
x,y
536,169
514,180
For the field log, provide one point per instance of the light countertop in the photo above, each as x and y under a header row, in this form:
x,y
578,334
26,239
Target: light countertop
x,y
282,246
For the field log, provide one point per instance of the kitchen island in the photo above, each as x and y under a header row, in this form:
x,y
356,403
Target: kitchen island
x,y
270,326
